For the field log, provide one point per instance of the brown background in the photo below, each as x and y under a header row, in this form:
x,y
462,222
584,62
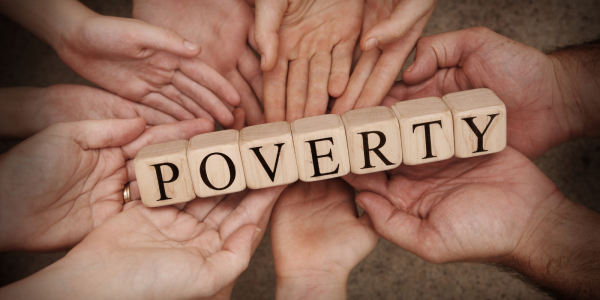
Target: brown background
x,y
388,272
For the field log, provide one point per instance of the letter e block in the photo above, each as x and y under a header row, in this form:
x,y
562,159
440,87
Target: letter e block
x,y
268,155
426,130
321,149
373,136
163,175
215,163
479,122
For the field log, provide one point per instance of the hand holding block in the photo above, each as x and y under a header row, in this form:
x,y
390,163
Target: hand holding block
x,y
215,163
268,155
426,130
321,149
479,122
373,136
163,174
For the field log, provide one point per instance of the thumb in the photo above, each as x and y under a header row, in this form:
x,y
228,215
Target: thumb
x,y
96,134
404,17
269,14
159,38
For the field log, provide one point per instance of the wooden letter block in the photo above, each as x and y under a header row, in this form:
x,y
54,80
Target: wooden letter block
x,y
373,136
479,122
163,175
321,149
215,163
426,130
268,155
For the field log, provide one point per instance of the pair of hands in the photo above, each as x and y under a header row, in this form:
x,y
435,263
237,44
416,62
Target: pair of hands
x,y
307,50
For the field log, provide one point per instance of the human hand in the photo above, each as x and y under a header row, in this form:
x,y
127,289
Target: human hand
x,y
390,31
224,28
158,253
316,39
317,239
529,83
68,179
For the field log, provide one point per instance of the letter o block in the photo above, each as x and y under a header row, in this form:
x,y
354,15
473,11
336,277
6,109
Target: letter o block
x,y
215,163
321,148
479,122
163,175
373,136
426,130
268,155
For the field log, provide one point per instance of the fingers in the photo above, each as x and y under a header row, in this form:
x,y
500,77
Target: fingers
x,y
373,182
405,15
239,119
390,223
153,117
359,78
318,97
249,103
274,91
167,40
268,16
166,105
175,95
96,134
297,89
249,67
208,77
341,63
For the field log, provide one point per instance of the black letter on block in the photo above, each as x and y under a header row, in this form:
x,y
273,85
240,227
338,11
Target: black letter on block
x,y
205,176
315,157
366,149
262,161
478,133
161,182
427,136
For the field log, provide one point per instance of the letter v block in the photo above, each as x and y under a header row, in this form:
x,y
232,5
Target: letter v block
x,y
425,129
268,155
163,175
479,122
321,148
215,163
373,136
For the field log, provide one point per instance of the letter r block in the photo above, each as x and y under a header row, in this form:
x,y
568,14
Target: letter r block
x,y
373,136
163,175
426,130
321,149
479,122
268,155
215,163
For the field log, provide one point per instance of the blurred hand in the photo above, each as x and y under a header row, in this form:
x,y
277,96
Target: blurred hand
x,y
159,253
317,239
307,46
389,33
540,112
224,28
68,179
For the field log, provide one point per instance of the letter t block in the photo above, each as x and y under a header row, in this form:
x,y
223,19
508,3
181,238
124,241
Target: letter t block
x,y
479,122
163,175
215,163
321,149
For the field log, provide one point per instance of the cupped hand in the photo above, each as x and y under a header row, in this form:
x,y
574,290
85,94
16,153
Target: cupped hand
x,y
525,79
477,209
68,179
306,46
390,31
224,29
147,64
317,236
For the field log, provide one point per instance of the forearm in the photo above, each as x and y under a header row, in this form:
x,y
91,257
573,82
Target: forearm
x,y
331,287
47,19
561,253
20,117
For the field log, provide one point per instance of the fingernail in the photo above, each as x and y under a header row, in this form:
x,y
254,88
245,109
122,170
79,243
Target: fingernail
x,y
190,45
372,43
410,67
256,234
262,60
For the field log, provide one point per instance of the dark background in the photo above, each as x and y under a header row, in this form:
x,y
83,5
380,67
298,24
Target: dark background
x,y
388,272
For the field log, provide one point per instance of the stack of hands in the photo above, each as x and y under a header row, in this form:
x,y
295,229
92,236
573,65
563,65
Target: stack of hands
x,y
62,188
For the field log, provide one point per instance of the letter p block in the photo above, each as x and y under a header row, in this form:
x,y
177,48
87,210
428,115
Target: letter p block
x,y
321,148
215,163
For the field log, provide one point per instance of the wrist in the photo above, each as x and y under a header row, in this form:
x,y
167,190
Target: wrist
x,y
53,282
321,286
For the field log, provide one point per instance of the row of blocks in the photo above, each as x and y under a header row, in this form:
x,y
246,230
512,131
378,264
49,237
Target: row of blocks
x,y
463,124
